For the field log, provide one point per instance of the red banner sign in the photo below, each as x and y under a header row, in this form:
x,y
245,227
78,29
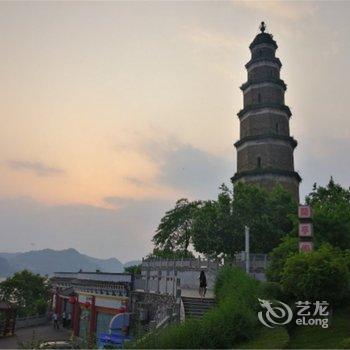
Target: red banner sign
x,y
306,247
304,212
305,230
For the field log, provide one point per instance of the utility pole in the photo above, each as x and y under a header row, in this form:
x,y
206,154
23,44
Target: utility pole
x,y
247,257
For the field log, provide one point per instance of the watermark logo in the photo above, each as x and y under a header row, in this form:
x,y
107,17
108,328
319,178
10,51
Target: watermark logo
x,y
277,313
274,315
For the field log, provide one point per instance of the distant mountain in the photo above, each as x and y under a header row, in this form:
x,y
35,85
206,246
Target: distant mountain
x,y
8,255
5,267
48,261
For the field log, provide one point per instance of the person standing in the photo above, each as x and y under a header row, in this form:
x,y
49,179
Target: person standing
x,y
64,317
69,318
55,321
202,284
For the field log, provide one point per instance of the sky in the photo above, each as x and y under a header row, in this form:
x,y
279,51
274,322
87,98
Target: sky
x,y
111,111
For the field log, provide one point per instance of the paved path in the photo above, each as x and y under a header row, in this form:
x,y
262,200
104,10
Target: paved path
x,y
193,293
44,333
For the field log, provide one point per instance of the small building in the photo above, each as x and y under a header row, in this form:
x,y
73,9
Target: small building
x,y
90,300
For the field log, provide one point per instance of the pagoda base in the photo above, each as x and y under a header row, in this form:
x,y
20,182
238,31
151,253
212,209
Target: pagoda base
x,y
269,180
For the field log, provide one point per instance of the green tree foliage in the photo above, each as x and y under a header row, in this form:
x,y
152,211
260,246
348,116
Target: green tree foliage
x,y
170,254
319,275
133,269
279,256
331,207
213,227
269,215
219,225
28,291
174,230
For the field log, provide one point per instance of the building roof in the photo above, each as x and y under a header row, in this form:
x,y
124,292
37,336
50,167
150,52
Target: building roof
x,y
93,276
263,38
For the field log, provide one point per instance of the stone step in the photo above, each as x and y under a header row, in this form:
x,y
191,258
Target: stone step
x,y
199,300
204,306
197,307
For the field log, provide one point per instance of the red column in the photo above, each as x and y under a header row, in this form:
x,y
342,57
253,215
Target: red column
x,y
72,316
76,318
56,302
58,305
92,326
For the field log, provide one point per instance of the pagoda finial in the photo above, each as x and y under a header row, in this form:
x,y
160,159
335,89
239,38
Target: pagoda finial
x,y
262,27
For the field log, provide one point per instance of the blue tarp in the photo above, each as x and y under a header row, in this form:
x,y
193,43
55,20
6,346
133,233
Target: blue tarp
x,y
115,340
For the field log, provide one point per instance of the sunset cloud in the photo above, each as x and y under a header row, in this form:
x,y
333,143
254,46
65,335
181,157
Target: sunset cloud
x,y
38,168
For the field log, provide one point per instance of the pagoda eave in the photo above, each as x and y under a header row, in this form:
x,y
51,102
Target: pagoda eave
x,y
284,108
288,139
257,60
279,82
264,172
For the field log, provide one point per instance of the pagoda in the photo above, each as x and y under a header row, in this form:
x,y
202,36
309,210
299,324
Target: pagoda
x,y
265,148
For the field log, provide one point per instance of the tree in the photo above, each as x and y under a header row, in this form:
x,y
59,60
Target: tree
x,y
279,256
269,215
219,225
319,275
28,291
174,230
212,229
133,269
170,254
331,207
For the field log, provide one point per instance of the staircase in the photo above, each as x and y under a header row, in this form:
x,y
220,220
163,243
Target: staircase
x,y
195,307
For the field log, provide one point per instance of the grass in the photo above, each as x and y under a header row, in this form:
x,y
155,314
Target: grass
x,y
306,337
336,336
267,338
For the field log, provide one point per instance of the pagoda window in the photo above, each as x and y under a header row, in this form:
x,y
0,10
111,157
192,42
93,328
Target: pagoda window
x,y
277,128
259,97
258,162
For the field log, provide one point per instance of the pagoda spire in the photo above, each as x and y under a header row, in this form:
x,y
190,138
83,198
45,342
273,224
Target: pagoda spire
x,y
262,27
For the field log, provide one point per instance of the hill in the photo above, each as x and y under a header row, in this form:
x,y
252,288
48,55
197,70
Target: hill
x,y
5,267
48,261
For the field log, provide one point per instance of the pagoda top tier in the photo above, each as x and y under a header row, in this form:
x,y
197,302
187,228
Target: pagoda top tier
x,y
263,38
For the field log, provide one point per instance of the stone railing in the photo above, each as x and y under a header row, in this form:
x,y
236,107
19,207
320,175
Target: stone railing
x,y
157,283
154,310
176,264
30,321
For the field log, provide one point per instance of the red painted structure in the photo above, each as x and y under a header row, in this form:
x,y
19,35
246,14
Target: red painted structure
x,y
93,300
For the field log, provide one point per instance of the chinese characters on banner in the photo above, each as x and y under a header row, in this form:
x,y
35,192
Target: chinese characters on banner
x,y
305,228
306,247
304,212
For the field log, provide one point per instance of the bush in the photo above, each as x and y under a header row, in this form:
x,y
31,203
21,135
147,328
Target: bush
x,y
271,290
267,338
279,256
318,275
344,344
